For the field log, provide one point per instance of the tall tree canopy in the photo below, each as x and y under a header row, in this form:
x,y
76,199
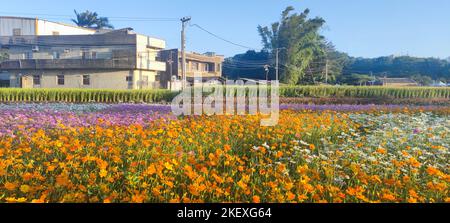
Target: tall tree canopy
x,y
403,66
90,19
306,57
297,38
247,65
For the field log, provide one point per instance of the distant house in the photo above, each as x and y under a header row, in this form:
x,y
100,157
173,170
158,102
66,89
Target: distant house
x,y
398,82
439,84
207,65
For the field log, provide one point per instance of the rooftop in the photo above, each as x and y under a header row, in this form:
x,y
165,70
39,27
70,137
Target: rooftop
x,y
397,80
60,23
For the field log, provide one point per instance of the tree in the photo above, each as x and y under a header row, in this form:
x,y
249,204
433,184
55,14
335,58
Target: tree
x,y
247,65
422,80
300,40
403,66
328,67
356,79
3,56
90,19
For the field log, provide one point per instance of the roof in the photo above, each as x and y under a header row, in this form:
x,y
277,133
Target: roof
x,y
60,23
398,80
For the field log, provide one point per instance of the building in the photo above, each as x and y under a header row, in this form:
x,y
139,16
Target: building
x,y
438,84
54,55
398,82
208,66
20,26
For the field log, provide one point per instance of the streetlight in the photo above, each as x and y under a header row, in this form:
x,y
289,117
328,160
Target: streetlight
x,y
266,68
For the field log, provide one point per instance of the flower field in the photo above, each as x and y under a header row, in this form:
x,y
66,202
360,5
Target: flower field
x,y
142,153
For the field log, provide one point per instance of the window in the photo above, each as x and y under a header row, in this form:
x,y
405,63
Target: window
x,y
56,55
145,81
37,79
17,32
194,66
218,67
129,78
83,55
86,80
60,79
28,55
55,33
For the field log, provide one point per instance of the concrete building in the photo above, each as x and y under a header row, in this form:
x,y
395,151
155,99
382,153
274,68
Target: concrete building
x,y
53,55
208,66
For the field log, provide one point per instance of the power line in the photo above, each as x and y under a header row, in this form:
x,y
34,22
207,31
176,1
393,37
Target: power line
x,y
109,17
221,38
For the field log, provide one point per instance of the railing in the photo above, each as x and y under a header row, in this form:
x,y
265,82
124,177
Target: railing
x,y
68,64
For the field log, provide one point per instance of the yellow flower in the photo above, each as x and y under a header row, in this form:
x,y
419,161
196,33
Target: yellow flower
x,y
168,166
16,200
25,188
103,173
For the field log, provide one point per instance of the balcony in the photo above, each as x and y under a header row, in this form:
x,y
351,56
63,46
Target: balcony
x,y
156,43
157,65
43,64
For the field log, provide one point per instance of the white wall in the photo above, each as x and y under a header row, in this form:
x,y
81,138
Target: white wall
x,y
74,79
28,27
47,28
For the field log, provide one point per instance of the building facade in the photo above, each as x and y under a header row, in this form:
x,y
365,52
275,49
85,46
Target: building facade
x,y
51,55
398,82
208,66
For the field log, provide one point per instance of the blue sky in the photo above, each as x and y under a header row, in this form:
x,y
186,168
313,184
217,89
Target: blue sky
x,y
367,28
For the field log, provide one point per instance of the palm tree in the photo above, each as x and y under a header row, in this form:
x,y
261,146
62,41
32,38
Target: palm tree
x,y
90,19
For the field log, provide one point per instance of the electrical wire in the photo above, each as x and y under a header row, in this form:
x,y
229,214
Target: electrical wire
x,y
221,38
116,18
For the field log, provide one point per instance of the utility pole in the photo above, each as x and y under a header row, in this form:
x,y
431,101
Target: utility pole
x,y
184,20
326,71
276,64
170,62
277,52
140,72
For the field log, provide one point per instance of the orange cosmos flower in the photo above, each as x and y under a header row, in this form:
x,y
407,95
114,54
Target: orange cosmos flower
x,y
10,186
290,196
432,171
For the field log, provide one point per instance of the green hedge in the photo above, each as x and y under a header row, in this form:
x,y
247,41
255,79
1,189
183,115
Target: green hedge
x,y
364,92
154,96
84,95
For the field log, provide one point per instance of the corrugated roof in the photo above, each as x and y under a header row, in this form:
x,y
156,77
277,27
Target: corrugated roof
x,y
397,80
60,23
